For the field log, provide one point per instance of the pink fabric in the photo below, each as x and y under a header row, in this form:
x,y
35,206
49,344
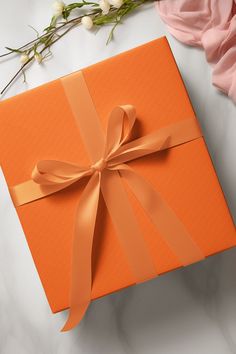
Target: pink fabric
x,y
210,24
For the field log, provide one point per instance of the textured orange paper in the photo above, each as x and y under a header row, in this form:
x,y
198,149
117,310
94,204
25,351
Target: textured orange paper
x,y
39,125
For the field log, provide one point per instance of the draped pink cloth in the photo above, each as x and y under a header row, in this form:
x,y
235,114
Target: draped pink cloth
x,y
210,24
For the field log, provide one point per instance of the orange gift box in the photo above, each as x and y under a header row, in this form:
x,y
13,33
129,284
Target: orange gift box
x,y
39,125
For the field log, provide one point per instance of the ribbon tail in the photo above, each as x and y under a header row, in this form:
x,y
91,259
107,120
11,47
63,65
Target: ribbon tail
x,y
163,217
81,279
126,226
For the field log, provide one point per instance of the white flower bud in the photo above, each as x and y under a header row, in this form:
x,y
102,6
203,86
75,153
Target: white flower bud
x,y
58,7
104,6
24,58
116,3
87,22
38,57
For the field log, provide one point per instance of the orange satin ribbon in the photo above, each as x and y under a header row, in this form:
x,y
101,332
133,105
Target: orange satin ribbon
x,y
108,167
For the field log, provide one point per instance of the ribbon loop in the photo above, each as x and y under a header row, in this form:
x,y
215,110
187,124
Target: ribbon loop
x,y
139,147
49,172
120,125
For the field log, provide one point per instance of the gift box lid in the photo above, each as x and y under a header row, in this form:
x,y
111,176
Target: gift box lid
x,y
39,125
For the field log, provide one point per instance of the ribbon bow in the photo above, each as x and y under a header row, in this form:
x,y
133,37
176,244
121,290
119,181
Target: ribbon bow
x,y
106,175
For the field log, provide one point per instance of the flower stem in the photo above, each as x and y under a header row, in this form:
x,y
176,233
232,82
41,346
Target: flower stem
x,y
56,30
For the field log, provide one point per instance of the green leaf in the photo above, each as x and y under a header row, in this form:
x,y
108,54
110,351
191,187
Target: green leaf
x,y
14,50
111,34
65,14
73,6
37,33
52,24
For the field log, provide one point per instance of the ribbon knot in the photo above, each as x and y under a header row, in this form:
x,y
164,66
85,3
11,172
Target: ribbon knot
x,y
99,166
51,176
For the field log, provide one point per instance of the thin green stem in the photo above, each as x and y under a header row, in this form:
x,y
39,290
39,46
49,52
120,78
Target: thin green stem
x,y
56,30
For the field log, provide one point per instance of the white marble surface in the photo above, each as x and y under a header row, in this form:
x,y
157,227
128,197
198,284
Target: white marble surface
x,y
190,311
